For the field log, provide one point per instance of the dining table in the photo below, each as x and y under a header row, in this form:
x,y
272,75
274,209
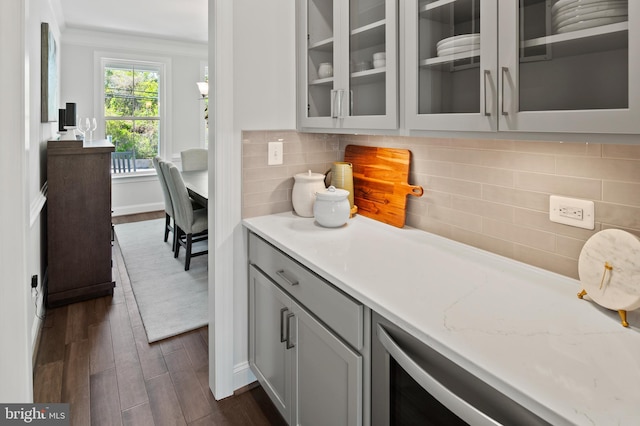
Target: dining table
x,y
197,183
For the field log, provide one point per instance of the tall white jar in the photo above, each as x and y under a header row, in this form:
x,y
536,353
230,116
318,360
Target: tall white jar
x,y
303,196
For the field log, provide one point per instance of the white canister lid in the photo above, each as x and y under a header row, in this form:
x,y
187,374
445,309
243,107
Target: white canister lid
x,y
332,194
308,176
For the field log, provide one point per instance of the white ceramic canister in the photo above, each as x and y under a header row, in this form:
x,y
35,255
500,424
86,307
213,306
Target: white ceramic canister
x,y
303,196
325,70
332,208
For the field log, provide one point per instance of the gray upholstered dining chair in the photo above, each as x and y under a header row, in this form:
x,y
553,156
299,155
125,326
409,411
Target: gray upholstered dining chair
x,y
194,159
168,206
189,225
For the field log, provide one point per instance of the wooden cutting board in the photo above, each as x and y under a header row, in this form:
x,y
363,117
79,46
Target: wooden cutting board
x,y
380,182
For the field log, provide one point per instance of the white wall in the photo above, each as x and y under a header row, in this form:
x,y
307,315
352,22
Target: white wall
x,y
22,166
262,50
38,135
184,109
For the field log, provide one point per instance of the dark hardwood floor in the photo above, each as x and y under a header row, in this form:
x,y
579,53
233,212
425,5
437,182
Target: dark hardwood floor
x,y
95,356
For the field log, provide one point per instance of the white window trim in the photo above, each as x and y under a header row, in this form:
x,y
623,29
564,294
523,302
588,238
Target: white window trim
x,y
102,58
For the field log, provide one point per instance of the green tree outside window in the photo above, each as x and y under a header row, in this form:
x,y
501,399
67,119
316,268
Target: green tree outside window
x,y
131,109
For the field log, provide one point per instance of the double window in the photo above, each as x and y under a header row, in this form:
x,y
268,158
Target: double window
x,y
132,110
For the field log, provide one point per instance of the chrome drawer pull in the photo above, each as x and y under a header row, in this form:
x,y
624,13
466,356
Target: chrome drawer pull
x,y
289,344
505,71
487,74
282,311
284,277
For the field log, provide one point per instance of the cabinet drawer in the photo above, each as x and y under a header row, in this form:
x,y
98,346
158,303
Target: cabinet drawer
x,y
340,312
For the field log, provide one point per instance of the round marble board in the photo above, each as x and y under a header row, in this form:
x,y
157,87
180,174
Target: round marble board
x,y
609,269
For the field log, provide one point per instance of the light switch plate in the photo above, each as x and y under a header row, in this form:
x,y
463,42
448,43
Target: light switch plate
x,y
275,154
572,211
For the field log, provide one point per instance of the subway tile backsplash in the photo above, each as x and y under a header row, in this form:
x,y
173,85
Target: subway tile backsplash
x,y
488,193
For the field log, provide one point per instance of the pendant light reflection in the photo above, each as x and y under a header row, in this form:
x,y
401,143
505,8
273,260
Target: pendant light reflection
x,y
203,87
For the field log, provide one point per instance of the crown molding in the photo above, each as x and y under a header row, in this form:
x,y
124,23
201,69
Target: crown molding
x,y
131,42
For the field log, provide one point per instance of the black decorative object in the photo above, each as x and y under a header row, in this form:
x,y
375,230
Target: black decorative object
x,y
61,120
70,115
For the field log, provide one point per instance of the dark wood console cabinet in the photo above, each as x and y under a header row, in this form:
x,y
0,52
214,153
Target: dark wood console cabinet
x,y
78,221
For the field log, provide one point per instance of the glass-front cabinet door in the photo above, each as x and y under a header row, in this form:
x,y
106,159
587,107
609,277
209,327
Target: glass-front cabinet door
x,y
451,64
570,66
348,64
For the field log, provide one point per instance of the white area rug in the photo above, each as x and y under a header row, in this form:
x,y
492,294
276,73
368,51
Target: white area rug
x,y
171,300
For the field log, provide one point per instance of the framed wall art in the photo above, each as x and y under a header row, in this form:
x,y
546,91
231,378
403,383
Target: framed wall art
x,y
48,75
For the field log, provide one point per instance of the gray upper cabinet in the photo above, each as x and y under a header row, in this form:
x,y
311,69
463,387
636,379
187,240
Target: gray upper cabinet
x,y
564,71
451,65
347,71
551,70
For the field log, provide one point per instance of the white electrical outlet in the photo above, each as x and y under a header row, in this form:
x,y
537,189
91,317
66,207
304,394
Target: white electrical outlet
x,y
275,154
572,211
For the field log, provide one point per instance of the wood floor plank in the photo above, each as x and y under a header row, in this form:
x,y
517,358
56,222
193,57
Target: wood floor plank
x,y
202,374
125,283
227,412
98,309
52,341
101,354
171,344
79,406
122,337
263,413
76,369
49,382
105,404
196,348
128,368
150,355
131,385
140,415
77,322
163,401
204,333
192,399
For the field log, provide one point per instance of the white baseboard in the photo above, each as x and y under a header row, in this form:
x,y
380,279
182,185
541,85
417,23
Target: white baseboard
x,y
138,208
36,331
242,375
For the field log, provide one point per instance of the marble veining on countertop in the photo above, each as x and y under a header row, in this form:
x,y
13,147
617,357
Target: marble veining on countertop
x,y
519,328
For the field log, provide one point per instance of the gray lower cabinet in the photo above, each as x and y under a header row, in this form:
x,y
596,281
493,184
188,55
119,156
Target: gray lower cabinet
x,y
328,375
312,375
269,358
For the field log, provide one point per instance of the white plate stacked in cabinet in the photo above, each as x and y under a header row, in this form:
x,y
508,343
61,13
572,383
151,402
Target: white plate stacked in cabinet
x,y
458,44
573,15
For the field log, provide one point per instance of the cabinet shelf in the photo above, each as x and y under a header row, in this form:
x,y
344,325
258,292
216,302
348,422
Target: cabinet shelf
x,y
322,82
370,35
325,45
368,76
360,77
440,60
433,6
464,11
602,38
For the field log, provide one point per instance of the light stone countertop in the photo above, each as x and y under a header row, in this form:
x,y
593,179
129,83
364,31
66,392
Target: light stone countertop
x,y
519,328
